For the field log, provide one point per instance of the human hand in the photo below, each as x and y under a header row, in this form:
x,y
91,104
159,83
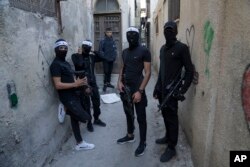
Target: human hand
x,y
79,51
178,96
85,79
88,90
156,93
120,86
81,82
136,97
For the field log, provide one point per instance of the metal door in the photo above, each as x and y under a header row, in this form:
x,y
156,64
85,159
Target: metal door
x,y
103,21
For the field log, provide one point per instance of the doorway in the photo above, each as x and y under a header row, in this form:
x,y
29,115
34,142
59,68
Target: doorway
x,y
101,22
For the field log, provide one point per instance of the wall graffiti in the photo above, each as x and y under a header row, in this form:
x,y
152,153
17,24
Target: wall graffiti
x,y
190,34
208,40
43,74
245,94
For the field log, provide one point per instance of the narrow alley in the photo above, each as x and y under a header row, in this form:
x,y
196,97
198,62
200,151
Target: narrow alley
x,y
108,153
46,44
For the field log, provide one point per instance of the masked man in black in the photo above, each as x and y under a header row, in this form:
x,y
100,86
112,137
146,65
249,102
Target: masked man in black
x,y
174,55
66,84
85,62
135,59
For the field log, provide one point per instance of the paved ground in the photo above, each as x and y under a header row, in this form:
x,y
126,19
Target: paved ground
x,y
109,154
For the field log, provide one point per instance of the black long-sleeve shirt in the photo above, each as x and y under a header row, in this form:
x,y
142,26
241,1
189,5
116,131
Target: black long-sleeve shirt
x,y
172,60
86,63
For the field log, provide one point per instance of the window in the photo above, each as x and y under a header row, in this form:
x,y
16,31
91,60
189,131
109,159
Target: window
x,y
107,6
44,7
173,9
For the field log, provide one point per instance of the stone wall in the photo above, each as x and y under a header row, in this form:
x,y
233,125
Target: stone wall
x,y
30,132
212,116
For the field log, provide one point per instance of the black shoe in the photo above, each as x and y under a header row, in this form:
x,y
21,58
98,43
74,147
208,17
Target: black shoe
x,y
161,140
99,122
90,127
168,155
126,139
109,85
140,149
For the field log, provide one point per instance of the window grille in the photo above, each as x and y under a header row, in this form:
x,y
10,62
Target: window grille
x,y
107,6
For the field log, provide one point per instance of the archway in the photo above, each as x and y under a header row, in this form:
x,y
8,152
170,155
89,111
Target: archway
x,y
107,14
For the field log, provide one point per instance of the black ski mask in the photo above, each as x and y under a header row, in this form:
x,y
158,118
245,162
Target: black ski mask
x,y
170,32
61,53
133,39
86,49
61,49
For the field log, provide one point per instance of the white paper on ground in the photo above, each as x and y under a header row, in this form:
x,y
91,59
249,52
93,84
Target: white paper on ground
x,y
110,98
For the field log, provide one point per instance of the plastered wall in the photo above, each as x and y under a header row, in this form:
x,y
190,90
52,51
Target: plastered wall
x,y
30,132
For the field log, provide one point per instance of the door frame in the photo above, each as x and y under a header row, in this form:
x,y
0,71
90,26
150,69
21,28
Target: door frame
x,y
120,36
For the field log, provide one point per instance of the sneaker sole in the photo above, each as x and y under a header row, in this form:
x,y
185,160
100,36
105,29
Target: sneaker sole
x,y
141,153
130,141
84,149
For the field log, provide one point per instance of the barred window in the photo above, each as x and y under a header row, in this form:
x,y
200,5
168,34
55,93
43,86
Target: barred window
x,y
44,7
173,9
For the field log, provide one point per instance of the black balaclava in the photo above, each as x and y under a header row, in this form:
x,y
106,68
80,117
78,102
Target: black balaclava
x,y
170,32
61,54
86,47
133,37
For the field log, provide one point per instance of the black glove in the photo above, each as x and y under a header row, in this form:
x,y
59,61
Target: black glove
x,y
178,96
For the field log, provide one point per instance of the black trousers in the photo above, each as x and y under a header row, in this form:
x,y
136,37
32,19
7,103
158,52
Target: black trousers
x,y
170,116
107,69
95,98
77,114
140,109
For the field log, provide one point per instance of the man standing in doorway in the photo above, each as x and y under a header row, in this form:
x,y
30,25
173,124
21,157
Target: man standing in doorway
x,y
131,84
108,51
174,55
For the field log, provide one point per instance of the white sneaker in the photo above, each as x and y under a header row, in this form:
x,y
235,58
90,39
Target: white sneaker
x,y
84,146
61,113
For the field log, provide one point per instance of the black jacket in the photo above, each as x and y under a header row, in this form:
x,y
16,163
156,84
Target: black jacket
x,y
172,60
107,49
86,63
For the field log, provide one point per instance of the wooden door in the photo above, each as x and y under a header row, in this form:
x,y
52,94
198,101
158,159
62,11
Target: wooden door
x,y
101,22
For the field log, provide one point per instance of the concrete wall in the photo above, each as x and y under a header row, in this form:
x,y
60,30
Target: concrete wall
x,y
157,39
30,133
218,35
